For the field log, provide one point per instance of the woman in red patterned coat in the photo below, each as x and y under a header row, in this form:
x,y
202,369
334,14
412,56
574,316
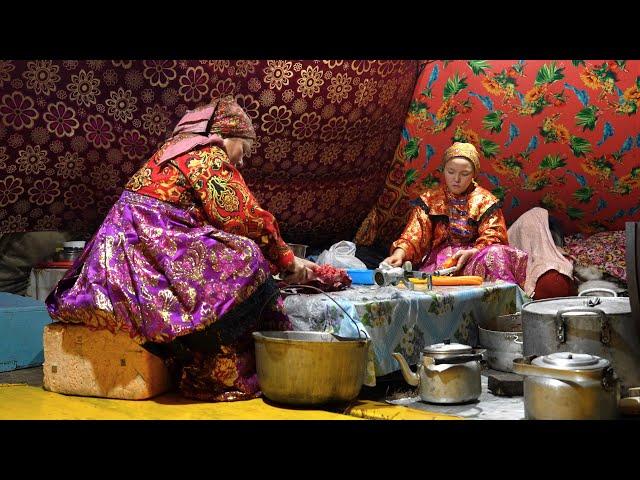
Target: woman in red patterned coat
x,y
461,221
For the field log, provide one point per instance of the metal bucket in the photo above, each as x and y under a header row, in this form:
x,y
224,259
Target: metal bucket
x,y
299,250
502,337
310,368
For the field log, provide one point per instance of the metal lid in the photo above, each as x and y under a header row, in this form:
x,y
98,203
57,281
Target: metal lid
x,y
447,347
75,244
609,305
571,361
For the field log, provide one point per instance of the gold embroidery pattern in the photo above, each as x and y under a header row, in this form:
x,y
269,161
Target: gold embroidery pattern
x,y
192,263
140,179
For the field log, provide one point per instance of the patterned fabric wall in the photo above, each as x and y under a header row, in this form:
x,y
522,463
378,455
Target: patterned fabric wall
x,y
561,134
72,132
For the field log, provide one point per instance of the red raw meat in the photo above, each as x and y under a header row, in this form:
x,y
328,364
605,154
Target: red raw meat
x,y
326,278
330,279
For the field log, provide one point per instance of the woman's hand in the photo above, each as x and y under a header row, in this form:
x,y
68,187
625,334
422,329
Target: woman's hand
x,y
396,258
463,256
301,272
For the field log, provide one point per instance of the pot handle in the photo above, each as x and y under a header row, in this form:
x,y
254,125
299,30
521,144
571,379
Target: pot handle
x,y
560,324
462,358
513,337
589,290
609,379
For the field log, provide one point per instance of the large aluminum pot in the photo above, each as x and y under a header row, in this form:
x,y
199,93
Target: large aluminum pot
x,y
568,386
310,368
447,373
601,326
502,337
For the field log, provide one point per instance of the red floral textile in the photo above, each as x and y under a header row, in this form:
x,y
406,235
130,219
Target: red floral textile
x,y
221,194
561,134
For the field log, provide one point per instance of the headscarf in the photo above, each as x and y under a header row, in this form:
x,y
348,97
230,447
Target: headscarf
x,y
464,150
208,125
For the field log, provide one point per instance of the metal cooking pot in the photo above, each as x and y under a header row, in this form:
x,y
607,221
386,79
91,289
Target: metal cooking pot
x,y
568,386
68,254
502,337
70,251
447,373
310,368
601,326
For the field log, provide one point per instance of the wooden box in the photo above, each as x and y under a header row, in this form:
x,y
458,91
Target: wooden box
x,y
97,363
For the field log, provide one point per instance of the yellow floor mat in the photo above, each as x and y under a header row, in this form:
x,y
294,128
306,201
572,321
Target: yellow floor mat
x,y
22,402
383,411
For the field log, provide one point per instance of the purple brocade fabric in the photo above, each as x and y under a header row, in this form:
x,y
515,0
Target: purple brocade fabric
x,y
493,262
158,272
161,273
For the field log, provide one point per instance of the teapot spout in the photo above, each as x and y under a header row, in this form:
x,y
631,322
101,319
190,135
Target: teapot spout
x,y
411,378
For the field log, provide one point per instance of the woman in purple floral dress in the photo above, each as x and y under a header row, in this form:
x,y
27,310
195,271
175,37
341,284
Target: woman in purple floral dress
x,y
183,260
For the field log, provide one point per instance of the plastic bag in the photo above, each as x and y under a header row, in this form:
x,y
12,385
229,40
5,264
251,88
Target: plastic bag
x,y
341,255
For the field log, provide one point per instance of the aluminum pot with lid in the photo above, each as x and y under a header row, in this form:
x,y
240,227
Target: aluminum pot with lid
x,y
502,337
447,373
568,386
601,326
70,251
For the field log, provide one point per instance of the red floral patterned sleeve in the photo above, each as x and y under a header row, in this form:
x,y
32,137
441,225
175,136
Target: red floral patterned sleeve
x,y
416,237
230,205
492,230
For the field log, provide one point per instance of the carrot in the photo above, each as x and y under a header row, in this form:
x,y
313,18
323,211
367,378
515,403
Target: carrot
x,y
444,280
461,280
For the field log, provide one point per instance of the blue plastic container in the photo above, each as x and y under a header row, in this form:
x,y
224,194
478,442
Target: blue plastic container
x,y
22,321
361,277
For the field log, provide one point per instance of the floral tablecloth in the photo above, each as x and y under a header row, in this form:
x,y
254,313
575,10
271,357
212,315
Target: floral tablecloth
x,y
404,321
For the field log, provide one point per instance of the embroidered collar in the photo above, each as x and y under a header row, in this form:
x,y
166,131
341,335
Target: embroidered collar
x,y
479,200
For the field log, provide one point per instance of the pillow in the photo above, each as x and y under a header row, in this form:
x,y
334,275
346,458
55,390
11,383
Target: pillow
x,y
605,250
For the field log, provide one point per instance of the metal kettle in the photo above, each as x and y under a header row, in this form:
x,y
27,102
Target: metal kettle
x,y
568,386
447,373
